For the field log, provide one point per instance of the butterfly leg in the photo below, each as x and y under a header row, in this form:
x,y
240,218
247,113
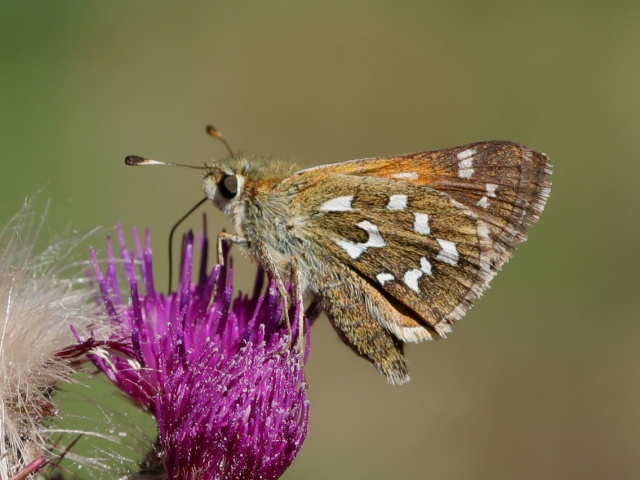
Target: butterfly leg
x,y
297,278
270,265
228,237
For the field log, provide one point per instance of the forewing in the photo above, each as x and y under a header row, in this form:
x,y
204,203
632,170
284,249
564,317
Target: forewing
x,y
505,184
430,229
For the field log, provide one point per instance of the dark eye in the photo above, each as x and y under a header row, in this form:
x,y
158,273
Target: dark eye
x,y
228,186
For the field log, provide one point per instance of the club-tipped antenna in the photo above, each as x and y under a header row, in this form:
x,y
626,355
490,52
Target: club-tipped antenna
x,y
173,230
215,133
137,161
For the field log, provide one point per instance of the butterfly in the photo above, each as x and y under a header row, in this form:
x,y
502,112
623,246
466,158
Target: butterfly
x,y
396,249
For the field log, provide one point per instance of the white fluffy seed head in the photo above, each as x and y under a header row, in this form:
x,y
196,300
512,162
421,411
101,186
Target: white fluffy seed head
x,y
37,308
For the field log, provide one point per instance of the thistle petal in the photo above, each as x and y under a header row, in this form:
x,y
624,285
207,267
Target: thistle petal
x,y
221,378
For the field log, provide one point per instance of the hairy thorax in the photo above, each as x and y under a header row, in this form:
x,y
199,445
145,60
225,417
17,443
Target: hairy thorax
x,y
264,219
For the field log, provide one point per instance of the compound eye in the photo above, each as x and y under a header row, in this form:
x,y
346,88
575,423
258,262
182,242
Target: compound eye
x,y
228,186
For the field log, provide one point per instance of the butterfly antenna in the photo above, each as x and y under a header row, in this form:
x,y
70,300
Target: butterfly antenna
x,y
137,161
215,133
173,230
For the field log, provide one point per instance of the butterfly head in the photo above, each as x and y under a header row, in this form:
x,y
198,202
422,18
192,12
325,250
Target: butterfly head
x,y
228,182
224,182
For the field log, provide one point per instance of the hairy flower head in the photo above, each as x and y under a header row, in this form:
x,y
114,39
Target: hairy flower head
x,y
37,307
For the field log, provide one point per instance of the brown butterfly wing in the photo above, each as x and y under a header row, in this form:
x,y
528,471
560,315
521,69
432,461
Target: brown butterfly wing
x,y
400,247
458,214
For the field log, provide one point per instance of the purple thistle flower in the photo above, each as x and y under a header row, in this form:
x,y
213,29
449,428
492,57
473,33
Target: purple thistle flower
x,y
221,379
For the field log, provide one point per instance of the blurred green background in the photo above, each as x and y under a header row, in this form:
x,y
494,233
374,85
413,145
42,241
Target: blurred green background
x,y
541,379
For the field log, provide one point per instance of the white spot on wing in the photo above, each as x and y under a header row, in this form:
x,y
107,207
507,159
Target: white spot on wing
x,y
354,250
375,240
469,152
397,202
406,175
421,224
384,278
491,192
465,167
338,204
483,202
448,253
411,279
425,266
